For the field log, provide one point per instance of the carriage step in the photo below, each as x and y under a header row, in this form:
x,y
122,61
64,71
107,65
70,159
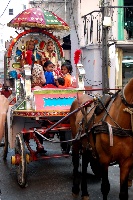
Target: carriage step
x,y
2,144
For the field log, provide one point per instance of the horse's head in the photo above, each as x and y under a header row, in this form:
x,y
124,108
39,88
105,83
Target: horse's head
x,y
128,93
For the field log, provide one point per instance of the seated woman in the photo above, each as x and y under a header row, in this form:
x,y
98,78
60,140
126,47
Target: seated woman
x,y
49,53
38,78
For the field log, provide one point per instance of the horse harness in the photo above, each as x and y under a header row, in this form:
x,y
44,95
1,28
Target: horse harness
x,y
129,109
103,105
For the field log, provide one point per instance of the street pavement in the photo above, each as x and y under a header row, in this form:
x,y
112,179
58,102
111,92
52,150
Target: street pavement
x,y
51,179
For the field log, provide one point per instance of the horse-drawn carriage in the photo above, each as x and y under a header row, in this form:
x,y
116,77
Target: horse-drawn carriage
x,y
39,114
35,114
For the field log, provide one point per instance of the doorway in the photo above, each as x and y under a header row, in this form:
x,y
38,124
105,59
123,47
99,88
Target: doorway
x,y
128,19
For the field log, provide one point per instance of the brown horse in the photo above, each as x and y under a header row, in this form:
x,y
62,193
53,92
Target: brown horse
x,y
107,135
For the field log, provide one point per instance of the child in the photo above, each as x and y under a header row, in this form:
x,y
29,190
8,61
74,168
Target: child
x,y
30,51
66,70
48,72
61,81
49,54
27,58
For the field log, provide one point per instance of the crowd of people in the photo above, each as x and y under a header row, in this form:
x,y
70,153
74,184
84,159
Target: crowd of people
x,y
45,69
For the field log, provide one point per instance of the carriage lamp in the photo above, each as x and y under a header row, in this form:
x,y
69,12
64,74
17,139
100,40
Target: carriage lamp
x,y
107,21
17,159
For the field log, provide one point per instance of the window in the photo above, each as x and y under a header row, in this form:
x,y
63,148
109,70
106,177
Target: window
x,y
24,7
10,11
1,41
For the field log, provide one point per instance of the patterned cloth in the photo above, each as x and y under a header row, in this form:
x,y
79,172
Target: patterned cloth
x,y
36,78
57,73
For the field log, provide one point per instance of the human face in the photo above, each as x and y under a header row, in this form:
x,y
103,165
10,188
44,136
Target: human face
x,y
31,45
50,47
64,70
50,68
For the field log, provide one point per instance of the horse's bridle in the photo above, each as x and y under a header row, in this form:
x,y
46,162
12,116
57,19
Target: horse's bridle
x,y
124,99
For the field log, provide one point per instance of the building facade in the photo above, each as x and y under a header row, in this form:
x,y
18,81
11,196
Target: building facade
x,y
103,30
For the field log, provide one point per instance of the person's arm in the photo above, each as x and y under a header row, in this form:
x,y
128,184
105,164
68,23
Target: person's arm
x,y
43,80
67,81
4,105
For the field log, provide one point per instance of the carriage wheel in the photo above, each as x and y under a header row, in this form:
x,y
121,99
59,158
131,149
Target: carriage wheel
x,y
21,168
5,142
95,166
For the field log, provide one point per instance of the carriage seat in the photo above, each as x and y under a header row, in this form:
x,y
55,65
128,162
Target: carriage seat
x,y
102,102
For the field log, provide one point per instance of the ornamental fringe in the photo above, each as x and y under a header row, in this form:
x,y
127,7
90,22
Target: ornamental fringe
x,y
77,56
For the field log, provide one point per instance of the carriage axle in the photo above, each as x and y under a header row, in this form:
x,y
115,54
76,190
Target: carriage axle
x,y
16,159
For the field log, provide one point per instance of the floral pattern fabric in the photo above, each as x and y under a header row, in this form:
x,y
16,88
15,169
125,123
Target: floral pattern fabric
x,y
36,78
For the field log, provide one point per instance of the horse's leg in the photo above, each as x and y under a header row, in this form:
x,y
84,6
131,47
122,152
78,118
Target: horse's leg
x,y
76,174
124,172
105,186
85,161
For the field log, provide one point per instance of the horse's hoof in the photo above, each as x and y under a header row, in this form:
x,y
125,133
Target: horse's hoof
x,y
75,195
85,198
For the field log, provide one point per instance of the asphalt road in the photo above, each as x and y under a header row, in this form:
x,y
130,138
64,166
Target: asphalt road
x,y
51,179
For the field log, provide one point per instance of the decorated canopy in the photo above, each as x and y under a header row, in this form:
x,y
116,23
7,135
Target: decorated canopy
x,y
38,17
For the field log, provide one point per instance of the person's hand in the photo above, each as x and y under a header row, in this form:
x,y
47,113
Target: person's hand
x,y
40,54
56,82
22,63
4,104
42,77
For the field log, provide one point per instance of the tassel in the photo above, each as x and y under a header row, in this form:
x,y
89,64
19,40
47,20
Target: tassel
x,y
77,56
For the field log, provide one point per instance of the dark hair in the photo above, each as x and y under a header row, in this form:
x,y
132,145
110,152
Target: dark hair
x,y
68,61
48,62
61,81
68,66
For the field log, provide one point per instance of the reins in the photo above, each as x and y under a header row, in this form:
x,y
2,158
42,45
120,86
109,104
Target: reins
x,y
126,109
130,106
79,134
124,99
77,137
126,132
